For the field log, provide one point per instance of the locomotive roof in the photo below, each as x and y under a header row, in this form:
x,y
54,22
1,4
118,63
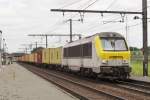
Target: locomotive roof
x,y
109,34
106,34
86,39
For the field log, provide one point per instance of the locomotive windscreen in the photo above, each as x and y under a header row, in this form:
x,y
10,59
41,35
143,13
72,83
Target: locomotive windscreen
x,y
114,44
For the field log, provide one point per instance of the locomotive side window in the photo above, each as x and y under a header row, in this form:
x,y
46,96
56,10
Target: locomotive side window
x,y
87,50
114,44
83,50
74,51
65,52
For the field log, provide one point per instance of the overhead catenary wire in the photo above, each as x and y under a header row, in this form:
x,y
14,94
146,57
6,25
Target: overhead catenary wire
x,y
111,4
93,4
102,22
90,4
130,26
107,8
133,25
96,0
93,24
56,27
57,23
104,26
70,4
86,6
144,8
107,21
60,23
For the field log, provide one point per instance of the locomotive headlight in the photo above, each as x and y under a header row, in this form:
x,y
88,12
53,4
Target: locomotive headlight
x,y
125,61
104,61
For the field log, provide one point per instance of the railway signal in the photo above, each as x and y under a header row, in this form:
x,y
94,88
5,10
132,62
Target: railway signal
x,y
144,21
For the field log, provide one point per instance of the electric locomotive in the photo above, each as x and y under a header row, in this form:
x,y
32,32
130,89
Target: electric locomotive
x,y
104,54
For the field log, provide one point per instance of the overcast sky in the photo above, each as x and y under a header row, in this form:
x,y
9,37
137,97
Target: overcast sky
x,y
18,18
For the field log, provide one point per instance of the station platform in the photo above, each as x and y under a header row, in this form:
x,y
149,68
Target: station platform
x,y
140,78
17,83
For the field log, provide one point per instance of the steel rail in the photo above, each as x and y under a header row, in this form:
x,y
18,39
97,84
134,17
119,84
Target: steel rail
x,y
115,97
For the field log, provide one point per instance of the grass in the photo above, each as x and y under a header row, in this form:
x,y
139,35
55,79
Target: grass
x,y
137,68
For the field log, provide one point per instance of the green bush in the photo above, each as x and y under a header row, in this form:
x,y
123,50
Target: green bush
x,y
137,67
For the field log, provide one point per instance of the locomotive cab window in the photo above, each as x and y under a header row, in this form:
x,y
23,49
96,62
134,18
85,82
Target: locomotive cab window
x,y
114,44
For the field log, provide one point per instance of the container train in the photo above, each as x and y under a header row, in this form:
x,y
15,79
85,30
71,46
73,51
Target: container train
x,y
104,55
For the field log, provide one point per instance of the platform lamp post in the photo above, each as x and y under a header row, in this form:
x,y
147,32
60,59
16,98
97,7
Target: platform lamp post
x,y
0,48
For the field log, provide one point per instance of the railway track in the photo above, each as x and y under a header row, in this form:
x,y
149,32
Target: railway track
x,y
140,87
92,90
83,91
139,82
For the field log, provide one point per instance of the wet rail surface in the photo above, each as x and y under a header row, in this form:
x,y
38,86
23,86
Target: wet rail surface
x,y
102,90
